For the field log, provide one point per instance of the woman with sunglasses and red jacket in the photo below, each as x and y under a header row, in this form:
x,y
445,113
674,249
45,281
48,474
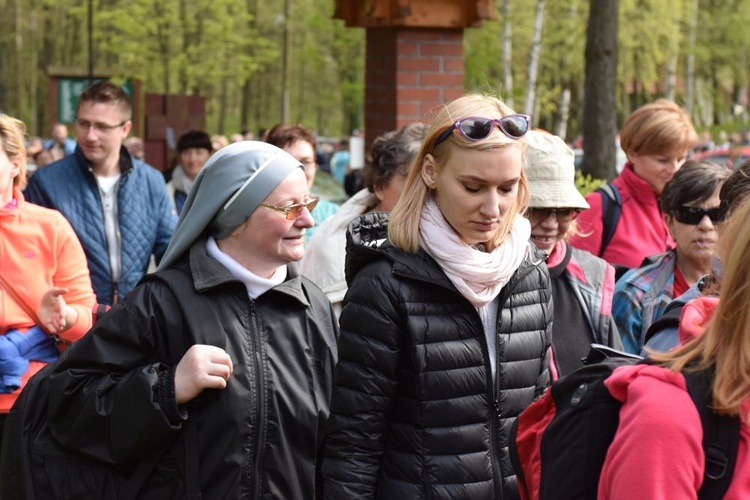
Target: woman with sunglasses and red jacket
x,y
690,204
657,138
445,329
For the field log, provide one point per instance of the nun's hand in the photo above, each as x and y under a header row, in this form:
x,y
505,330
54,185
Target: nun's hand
x,y
202,367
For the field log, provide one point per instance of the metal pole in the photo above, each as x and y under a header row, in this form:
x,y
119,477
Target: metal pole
x,y
91,42
286,68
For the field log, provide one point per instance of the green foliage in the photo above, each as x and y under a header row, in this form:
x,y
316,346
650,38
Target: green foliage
x,y
586,184
231,51
226,50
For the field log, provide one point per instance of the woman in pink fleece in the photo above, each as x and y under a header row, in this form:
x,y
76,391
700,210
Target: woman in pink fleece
x,y
657,452
657,138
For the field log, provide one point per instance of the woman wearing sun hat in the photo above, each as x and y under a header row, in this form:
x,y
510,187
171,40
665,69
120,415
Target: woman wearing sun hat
x,y
582,284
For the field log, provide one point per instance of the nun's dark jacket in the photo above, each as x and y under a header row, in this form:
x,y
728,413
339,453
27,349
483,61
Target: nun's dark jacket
x,y
261,437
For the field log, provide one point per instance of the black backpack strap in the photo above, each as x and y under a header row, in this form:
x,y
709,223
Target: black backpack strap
x,y
204,319
721,436
670,319
611,210
206,325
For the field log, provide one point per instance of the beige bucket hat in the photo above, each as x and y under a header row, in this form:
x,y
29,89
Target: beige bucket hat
x,y
550,169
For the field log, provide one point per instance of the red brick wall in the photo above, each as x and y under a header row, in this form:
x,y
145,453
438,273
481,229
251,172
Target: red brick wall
x,y
410,73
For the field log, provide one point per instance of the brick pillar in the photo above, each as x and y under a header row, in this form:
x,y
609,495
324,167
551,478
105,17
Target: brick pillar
x,y
168,116
410,73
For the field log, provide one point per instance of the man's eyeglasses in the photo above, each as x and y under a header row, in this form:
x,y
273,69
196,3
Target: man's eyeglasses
x,y
561,214
85,125
293,212
308,162
694,215
476,128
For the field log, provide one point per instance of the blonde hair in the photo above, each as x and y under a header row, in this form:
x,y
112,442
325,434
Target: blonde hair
x,y
403,224
12,132
659,127
726,341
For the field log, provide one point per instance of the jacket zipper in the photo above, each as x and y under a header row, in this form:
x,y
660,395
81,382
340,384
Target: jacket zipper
x,y
261,406
115,280
495,387
495,417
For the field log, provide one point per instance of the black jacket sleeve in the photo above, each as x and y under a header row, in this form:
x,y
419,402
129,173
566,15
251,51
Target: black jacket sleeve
x,y
104,394
545,377
364,385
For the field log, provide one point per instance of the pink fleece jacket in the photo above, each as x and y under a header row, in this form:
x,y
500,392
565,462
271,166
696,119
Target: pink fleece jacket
x,y
657,452
695,316
641,230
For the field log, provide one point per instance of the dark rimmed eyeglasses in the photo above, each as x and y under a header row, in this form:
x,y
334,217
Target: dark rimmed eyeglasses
x,y
476,128
694,215
561,214
293,212
99,127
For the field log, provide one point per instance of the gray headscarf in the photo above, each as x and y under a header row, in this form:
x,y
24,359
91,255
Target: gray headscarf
x,y
229,188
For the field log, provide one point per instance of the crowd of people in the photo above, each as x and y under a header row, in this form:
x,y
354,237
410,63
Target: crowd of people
x,y
381,348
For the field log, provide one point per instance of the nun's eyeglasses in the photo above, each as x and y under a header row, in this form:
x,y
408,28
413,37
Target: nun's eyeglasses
x,y
293,212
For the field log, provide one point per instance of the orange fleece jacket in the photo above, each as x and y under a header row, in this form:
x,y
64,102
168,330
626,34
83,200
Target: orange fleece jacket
x,y
39,250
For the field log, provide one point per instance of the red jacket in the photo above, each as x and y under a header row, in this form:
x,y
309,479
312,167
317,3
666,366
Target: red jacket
x,y
657,452
39,250
641,230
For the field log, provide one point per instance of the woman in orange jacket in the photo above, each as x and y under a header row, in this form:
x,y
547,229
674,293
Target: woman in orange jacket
x,y
41,260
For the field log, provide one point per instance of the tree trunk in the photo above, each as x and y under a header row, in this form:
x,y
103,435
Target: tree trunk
x,y
185,46
6,56
670,81
246,97
563,106
690,60
563,100
536,47
286,62
599,108
19,58
222,105
507,53
32,125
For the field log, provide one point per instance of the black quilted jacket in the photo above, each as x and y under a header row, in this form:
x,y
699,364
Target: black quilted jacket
x,y
415,412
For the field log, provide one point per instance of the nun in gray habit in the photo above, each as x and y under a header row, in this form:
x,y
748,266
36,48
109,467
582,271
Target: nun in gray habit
x,y
226,342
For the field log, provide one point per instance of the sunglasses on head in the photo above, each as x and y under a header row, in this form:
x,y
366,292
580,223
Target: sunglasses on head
x,y
561,214
294,211
476,128
694,215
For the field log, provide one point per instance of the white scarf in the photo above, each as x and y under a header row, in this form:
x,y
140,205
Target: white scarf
x,y
181,181
478,275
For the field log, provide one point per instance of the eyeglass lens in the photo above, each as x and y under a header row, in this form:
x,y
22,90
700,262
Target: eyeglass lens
x,y
295,211
694,215
100,127
477,128
561,214
514,125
